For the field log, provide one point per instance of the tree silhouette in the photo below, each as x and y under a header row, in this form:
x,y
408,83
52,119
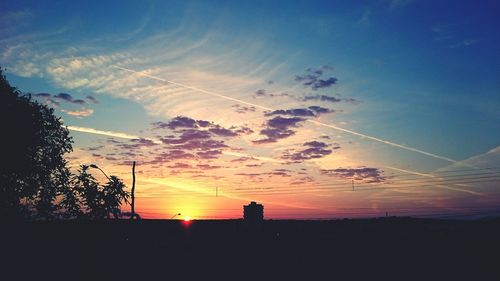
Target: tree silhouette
x,y
33,144
97,201
35,181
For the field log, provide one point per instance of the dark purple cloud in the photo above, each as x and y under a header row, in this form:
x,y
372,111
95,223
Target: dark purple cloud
x,y
316,144
273,135
322,98
221,131
79,101
92,99
260,92
187,136
311,111
312,79
208,167
201,145
264,93
42,95
331,99
68,98
278,128
365,174
210,154
243,130
177,122
135,144
56,100
64,96
243,109
242,159
191,126
284,123
173,155
293,112
313,150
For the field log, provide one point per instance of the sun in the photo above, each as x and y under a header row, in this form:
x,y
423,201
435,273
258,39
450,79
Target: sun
x,y
187,218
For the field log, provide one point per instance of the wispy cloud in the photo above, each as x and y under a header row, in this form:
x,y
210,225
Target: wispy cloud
x,y
79,113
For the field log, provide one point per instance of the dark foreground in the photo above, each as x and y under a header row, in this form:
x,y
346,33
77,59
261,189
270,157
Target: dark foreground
x,y
401,248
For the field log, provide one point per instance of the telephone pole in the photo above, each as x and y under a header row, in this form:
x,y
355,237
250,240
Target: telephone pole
x,y
133,192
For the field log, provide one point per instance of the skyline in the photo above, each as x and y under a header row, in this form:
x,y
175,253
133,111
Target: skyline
x,y
291,105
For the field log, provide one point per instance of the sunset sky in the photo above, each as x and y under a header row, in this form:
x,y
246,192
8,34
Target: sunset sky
x,y
287,103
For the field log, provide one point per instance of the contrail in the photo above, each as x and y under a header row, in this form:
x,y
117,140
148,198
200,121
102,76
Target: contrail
x,y
110,133
437,185
310,121
192,88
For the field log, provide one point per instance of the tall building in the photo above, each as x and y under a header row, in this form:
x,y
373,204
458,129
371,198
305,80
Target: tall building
x,y
253,212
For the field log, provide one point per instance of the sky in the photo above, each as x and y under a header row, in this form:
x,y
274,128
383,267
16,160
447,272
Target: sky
x,y
316,109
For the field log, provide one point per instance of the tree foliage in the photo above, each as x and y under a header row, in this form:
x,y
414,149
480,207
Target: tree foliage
x,y
35,181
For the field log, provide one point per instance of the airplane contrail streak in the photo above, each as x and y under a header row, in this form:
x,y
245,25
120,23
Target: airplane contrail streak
x,y
437,184
191,87
404,147
110,133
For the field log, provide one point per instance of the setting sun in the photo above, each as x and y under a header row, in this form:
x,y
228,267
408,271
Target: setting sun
x,y
187,218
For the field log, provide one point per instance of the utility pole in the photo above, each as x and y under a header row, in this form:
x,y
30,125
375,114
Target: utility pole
x,y
352,185
133,191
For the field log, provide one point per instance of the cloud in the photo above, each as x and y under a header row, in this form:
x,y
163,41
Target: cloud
x,y
135,144
313,150
311,111
322,98
92,99
316,144
79,113
243,109
364,174
264,93
55,100
331,99
278,128
207,166
211,154
68,98
312,79
279,122
221,131
177,122
260,92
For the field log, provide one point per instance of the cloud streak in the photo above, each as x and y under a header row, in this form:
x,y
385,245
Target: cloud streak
x,y
110,133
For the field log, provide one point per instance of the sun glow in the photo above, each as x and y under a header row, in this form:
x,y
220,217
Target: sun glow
x,y
187,218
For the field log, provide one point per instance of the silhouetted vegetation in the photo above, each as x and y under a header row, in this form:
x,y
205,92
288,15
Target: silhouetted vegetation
x,y
35,180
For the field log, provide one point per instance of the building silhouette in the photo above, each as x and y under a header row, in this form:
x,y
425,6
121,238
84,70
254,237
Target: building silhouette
x,y
253,212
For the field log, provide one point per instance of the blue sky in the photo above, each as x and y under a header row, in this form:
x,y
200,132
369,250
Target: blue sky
x,y
422,74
